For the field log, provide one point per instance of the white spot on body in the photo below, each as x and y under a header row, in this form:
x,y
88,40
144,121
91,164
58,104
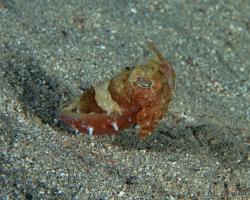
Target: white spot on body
x,y
115,126
129,119
76,131
90,131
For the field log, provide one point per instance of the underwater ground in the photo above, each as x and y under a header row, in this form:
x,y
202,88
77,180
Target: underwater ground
x,y
51,50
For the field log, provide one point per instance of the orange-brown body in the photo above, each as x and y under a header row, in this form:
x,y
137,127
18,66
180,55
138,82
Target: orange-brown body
x,y
136,96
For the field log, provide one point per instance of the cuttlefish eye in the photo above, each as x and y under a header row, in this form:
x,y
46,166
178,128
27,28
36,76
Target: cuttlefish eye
x,y
144,83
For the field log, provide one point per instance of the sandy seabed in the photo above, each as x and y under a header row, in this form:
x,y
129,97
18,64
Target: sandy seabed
x,y
50,50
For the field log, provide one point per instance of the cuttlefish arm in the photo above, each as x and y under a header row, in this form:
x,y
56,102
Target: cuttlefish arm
x,y
164,66
99,124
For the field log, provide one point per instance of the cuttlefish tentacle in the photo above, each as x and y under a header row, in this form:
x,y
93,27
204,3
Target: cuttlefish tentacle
x,y
100,124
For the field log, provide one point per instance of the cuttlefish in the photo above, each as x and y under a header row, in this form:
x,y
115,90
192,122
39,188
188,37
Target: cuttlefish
x,y
140,95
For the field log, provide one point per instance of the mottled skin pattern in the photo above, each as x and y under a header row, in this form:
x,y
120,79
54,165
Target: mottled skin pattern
x,y
143,94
